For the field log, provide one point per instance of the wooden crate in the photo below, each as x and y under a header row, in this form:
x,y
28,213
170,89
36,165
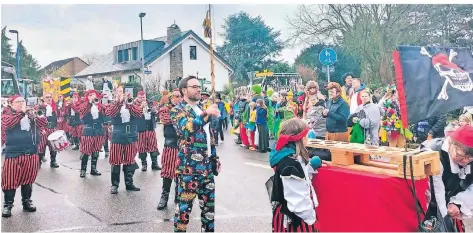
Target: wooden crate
x,y
343,154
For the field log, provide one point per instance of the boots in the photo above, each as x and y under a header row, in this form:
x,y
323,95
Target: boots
x,y
115,179
83,165
105,147
76,142
128,172
176,200
26,191
93,167
8,202
163,203
144,163
53,163
154,161
41,157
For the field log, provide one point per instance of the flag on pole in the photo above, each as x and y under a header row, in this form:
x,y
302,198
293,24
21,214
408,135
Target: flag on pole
x,y
432,81
207,25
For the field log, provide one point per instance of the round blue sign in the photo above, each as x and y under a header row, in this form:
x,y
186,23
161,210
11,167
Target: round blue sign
x,y
327,57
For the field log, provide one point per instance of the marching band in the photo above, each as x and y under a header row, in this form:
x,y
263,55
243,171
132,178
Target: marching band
x,y
87,123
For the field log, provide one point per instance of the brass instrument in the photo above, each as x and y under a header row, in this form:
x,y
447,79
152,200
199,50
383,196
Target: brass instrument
x,y
129,101
96,101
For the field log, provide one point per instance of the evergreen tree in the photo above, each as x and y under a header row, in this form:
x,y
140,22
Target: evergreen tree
x,y
7,50
29,65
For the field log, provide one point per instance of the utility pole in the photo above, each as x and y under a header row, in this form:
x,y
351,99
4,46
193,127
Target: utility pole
x,y
142,81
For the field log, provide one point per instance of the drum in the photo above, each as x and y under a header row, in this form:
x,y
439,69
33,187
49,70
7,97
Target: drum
x,y
58,140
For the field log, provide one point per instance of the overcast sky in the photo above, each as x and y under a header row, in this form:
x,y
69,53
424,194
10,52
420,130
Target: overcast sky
x,y
55,32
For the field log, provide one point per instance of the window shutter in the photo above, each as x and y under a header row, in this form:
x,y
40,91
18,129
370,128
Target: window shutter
x,y
119,56
135,53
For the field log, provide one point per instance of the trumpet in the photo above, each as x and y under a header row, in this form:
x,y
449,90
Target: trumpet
x,y
129,101
96,101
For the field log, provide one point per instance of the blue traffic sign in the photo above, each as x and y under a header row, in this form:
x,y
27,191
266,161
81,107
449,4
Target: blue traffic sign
x,y
147,71
328,57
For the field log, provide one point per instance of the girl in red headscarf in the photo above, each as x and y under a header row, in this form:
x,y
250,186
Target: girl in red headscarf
x,y
292,187
93,134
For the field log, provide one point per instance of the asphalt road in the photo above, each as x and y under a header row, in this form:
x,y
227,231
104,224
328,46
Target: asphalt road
x,y
69,203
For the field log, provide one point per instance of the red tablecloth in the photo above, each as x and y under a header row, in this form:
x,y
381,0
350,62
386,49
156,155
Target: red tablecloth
x,y
353,201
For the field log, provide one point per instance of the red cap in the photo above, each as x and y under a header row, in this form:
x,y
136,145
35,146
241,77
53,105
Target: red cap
x,y
12,98
141,93
464,136
89,92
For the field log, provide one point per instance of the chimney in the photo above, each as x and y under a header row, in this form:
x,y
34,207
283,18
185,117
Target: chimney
x,y
173,32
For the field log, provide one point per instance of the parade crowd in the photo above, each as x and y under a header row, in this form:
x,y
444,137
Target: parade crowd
x,y
193,125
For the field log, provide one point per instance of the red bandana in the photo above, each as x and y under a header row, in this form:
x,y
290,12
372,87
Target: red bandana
x,y
464,135
283,140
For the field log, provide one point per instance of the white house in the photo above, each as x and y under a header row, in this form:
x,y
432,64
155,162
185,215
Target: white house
x,y
176,55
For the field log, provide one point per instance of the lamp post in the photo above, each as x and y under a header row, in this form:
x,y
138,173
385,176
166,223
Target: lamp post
x,y
18,68
141,15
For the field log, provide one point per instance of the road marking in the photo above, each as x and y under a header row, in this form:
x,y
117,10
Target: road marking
x,y
258,165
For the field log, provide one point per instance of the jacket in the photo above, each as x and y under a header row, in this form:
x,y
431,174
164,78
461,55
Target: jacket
x,y
124,133
434,125
18,141
194,157
92,127
336,119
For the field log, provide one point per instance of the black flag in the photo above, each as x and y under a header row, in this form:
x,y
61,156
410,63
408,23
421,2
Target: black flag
x,y
432,81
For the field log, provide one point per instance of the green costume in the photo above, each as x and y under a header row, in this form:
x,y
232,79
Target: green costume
x,y
357,134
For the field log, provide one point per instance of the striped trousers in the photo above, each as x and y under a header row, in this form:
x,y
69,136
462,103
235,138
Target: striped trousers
x,y
278,223
147,142
169,162
75,131
123,153
44,140
91,144
18,171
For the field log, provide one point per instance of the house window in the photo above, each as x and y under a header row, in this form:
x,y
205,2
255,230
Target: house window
x,y
193,52
119,56
134,53
131,78
126,55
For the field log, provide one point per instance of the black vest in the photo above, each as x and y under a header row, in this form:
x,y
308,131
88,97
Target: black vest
x,y
124,133
453,183
21,142
92,127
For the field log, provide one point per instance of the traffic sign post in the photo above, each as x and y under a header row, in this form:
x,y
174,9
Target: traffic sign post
x,y
328,57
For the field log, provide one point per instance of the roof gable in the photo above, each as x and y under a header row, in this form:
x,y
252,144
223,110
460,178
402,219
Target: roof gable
x,y
56,65
181,39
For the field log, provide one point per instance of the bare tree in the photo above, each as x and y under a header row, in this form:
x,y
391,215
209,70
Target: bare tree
x,y
153,85
370,32
91,58
306,73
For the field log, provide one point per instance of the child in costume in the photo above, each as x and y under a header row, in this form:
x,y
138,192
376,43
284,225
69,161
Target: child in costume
x,y
292,190
251,125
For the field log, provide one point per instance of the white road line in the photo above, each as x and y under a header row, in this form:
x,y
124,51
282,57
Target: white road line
x,y
258,165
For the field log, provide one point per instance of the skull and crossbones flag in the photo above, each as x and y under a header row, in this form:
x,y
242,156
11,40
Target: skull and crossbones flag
x,y
432,81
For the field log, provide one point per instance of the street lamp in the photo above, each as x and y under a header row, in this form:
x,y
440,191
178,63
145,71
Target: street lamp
x,y
141,15
18,68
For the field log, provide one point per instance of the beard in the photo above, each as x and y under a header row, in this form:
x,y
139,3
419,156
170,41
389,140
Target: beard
x,y
195,97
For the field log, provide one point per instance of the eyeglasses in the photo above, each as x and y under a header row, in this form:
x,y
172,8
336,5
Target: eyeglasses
x,y
459,157
177,96
195,87
312,87
18,101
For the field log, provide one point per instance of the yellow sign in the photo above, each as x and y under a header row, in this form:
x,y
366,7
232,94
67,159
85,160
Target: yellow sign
x,y
264,73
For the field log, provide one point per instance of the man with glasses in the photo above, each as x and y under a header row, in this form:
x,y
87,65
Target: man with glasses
x,y
169,158
454,186
49,109
198,160
21,163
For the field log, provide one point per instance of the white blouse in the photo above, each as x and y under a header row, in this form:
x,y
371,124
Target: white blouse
x,y
465,198
297,194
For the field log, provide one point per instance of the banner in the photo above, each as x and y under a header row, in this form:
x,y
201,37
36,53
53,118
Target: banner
x,y
432,81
